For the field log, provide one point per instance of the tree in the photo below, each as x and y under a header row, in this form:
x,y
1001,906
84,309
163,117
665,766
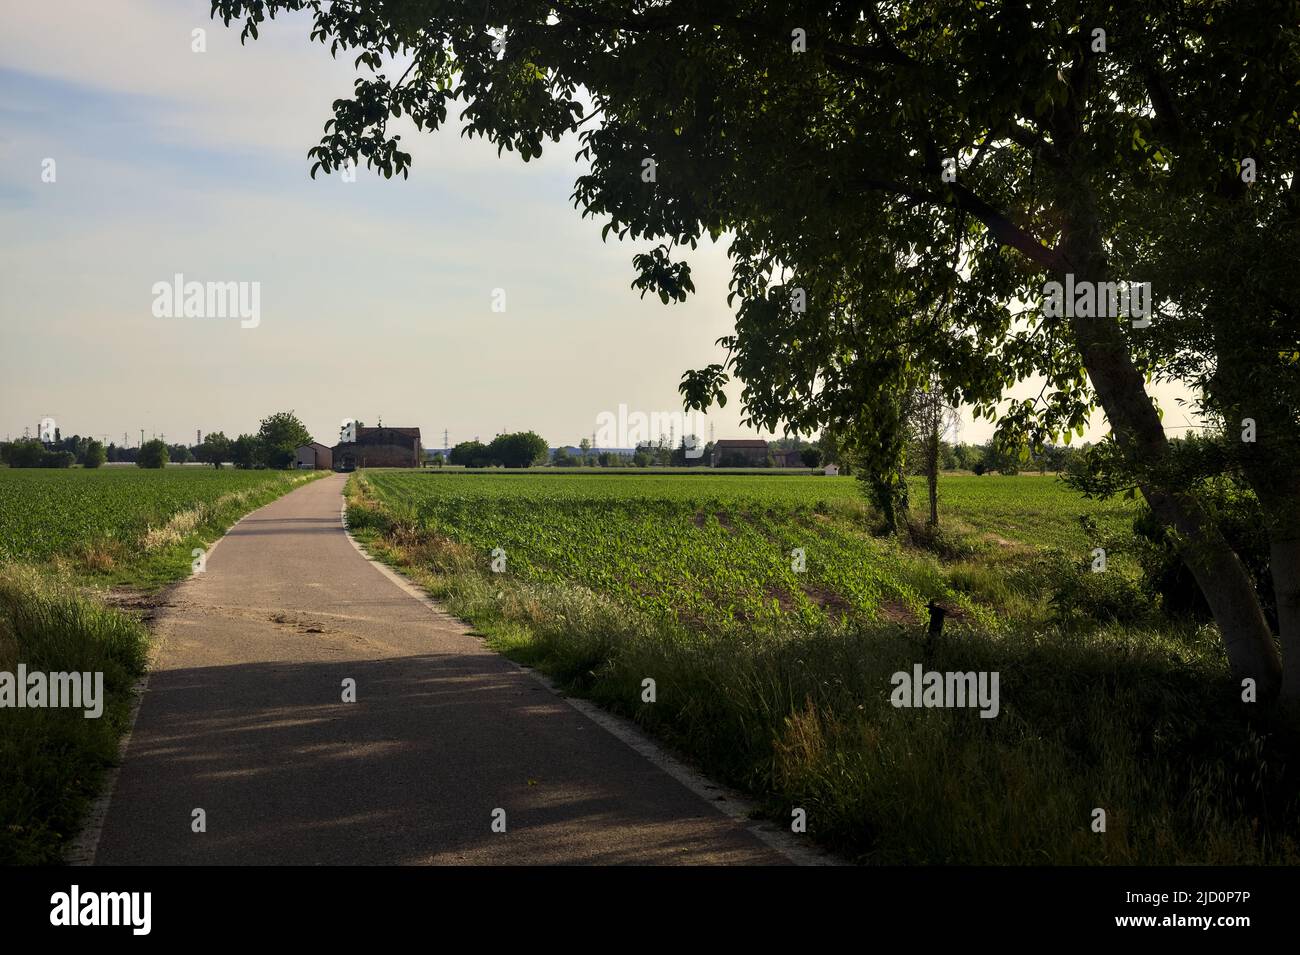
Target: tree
x,y
215,449
24,453
519,449
812,457
95,455
279,437
470,454
967,456
153,454
897,189
932,419
246,451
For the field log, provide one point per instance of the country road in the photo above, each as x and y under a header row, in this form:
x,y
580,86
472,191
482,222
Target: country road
x,y
244,718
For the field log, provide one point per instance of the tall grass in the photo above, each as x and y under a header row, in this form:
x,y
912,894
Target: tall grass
x,y
51,759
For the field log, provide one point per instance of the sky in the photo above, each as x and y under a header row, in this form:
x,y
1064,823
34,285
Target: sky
x,y
375,296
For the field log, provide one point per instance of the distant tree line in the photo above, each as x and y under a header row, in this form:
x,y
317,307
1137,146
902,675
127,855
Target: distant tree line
x,y
518,449
274,445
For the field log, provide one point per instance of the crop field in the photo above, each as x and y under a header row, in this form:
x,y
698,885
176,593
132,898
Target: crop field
x,y
709,548
778,680
101,518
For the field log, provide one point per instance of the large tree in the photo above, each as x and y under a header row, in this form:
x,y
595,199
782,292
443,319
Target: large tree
x,y
899,181
279,436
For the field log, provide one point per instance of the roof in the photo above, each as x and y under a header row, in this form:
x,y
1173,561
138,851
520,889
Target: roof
x,y
741,443
409,432
316,445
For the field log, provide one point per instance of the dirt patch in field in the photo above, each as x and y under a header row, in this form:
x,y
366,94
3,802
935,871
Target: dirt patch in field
x,y
784,598
896,612
1017,546
701,518
828,600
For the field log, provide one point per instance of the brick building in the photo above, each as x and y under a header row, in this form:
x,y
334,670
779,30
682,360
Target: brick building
x,y
740,452
381,447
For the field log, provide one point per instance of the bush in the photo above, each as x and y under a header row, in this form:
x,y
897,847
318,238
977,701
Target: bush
x,y
153,454
1109,596
95,455
1238,515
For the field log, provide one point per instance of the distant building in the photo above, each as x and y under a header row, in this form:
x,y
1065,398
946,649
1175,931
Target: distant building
x,y
381,447
314,457
788,459
740,452
832,470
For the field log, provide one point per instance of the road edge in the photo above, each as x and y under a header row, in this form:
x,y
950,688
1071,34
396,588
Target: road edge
x,y
81,851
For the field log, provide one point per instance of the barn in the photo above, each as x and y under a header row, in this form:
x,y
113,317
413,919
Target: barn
x,y
740,452
381,447
314,457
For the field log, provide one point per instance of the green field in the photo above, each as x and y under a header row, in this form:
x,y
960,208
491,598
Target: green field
x,y
778,681
716,550
127,526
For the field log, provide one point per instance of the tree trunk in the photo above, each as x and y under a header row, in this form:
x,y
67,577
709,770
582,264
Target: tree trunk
x,y
932,477
1122,392
1279,497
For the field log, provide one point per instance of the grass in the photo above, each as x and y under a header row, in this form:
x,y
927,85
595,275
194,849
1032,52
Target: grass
x,y
53,759
1135,717
66,538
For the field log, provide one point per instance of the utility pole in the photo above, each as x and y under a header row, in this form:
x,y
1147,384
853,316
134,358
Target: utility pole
x,y
142,437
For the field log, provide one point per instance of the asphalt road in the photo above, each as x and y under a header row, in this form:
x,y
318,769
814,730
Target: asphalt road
x,y
244,718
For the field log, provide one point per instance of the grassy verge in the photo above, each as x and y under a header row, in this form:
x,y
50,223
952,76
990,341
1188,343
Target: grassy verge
x,y
1138,719
163,552
54,618
51,760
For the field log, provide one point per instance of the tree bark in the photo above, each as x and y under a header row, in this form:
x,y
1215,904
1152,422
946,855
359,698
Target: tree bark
x,y
1121,390
1279,497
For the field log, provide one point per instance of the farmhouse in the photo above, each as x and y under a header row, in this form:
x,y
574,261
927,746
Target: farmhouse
x,y
381,447
314,457
740,452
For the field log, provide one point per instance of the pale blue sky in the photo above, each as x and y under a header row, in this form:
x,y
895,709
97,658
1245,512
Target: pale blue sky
x,y
375,295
